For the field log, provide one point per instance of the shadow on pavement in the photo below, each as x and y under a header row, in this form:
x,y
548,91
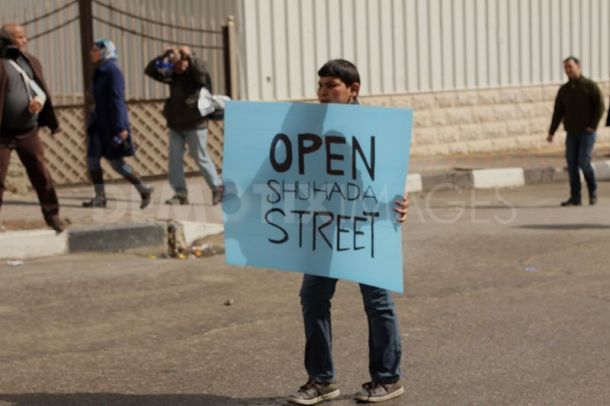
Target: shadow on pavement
x,y
512,206
29,203
567,227
117,399
489,207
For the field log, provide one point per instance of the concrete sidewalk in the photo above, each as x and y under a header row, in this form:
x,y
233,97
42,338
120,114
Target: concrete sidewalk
x,y
497,170
122,225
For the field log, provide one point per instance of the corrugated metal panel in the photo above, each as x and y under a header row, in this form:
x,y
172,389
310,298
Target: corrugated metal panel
x,y
135,50
419,45
59,51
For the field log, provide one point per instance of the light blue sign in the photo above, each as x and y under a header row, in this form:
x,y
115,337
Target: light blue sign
x,y
310,188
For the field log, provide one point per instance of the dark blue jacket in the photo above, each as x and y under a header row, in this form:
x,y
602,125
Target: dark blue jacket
x,y
109,116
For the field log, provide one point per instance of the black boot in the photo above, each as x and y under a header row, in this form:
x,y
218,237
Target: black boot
x,y
572,201
97,177
145,190
145,194
97,201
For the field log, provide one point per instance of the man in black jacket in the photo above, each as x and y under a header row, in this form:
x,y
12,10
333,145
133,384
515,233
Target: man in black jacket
x,y
185,74
580,105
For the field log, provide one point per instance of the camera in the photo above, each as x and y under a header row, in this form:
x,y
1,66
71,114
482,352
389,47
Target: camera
x,y
7,49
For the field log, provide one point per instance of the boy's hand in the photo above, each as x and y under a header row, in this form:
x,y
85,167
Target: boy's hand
x,y
402,207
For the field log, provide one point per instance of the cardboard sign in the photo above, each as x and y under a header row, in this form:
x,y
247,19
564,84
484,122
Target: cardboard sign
x,y
311,187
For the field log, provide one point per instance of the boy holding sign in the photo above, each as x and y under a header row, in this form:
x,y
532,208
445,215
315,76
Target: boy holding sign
x,y
339,82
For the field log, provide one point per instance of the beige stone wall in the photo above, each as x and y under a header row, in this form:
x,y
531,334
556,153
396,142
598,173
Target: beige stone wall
x,y
480,121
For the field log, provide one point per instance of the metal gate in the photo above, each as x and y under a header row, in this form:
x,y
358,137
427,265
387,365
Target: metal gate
x,y
60,36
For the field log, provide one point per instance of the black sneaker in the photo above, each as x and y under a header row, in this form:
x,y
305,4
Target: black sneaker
x,y
592,199
177,199
374,392
571,202
313,393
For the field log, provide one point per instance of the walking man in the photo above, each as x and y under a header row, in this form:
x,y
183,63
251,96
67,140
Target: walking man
x,y
25,106
580,105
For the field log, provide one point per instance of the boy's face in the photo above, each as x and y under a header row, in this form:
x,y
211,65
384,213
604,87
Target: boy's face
x,y
332,90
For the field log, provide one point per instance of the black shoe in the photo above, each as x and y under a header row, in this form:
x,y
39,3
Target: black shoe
x,y
592,199
97,201
56,224
146,195
177,199
571,202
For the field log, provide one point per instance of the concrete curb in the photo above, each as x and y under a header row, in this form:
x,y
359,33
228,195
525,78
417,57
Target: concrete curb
x,y
32,243
193,231
97,238
115,238
495,178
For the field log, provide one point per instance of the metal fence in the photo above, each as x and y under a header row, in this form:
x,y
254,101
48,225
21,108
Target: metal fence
x,y
141,29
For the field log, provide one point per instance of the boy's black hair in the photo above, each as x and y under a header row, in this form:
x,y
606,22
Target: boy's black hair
x,y
342,69
572,58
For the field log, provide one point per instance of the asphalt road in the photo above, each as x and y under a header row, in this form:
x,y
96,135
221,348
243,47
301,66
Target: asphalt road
x,y
507,302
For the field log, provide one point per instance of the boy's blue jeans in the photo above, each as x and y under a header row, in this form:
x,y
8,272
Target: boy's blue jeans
x,y
197,146
384,337
579,149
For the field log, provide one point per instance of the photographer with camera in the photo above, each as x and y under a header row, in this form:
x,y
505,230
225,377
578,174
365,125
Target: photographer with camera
x,y
25,106
185,74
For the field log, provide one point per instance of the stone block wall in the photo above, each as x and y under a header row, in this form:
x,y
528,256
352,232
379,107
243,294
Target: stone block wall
x,y
483,121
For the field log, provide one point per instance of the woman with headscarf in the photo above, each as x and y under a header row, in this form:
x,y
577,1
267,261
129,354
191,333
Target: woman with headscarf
x,y
108,130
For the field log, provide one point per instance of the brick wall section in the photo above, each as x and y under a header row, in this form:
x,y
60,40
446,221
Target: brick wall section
x,y
478,121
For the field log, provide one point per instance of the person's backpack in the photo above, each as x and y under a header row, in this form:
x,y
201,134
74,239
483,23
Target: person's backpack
x,y
211,106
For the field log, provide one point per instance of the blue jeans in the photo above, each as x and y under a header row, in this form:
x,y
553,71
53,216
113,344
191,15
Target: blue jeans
x,y
579,148
384,337
197,145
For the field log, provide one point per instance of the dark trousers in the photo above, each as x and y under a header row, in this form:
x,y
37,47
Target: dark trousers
x,y
579,149
384,337
30,150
